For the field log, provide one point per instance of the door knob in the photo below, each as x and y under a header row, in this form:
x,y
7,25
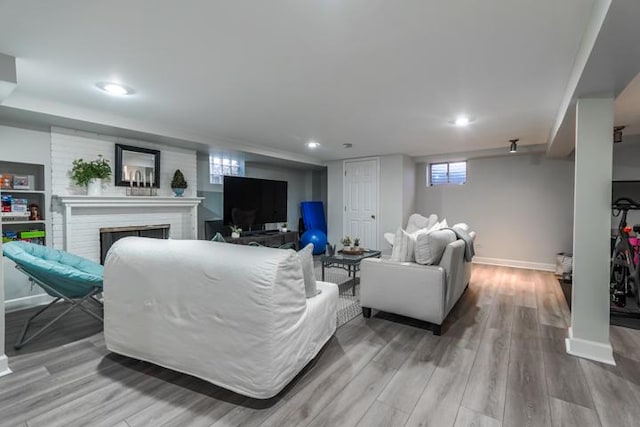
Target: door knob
x,y
373,217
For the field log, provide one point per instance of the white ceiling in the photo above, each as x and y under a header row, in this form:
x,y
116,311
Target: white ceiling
x,y
386,76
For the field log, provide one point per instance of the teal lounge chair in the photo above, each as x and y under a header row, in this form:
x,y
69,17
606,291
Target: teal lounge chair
x,y
62,275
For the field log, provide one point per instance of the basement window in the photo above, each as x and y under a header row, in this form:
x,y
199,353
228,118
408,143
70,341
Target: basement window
x,y
447,173
223,165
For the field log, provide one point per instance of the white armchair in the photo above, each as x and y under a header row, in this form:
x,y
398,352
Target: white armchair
x,y
423,292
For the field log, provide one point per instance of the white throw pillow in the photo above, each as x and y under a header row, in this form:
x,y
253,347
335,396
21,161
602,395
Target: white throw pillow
x,y
442,224
403,247
462,226
430,246
417,222
389,237
306,259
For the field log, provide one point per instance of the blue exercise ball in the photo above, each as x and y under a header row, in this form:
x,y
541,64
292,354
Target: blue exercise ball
x,y
317,237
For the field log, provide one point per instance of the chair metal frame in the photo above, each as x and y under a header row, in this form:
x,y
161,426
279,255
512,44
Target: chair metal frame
x,y
75,303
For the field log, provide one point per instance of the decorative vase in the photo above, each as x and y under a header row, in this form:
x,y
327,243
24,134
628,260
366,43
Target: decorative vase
x,y
284,229
235,235
179,192
331,249
94,187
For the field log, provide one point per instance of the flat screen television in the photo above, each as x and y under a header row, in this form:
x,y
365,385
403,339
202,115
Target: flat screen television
x,y
629,189
250,203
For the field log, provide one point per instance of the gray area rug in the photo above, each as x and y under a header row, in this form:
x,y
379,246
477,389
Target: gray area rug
x,y
348,304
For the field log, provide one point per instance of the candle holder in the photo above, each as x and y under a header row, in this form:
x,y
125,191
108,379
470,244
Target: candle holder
x,y
142,191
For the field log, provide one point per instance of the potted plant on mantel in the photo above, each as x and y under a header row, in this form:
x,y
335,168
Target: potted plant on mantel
x,y
178,183
91,174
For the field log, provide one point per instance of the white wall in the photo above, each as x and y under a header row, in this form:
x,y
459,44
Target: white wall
x,y
335,202
520,206
67,145
211,206
397,196
24,145
408,188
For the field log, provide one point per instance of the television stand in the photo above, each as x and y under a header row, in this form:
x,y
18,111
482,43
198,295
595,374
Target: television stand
x,y
270,238
253,233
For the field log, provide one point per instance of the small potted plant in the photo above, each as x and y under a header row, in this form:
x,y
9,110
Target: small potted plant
x,y
90,174
356,242
235,231
346,241
284,228
178,183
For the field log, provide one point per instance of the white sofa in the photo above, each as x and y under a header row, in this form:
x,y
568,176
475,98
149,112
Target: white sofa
x,y
424,292
235,316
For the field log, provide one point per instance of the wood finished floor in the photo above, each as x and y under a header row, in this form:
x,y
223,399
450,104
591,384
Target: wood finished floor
x,y
500,362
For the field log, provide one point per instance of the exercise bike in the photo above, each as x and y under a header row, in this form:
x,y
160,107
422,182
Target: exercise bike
x,y
625,259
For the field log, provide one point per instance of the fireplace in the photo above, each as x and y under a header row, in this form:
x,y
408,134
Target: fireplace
x,y
108,236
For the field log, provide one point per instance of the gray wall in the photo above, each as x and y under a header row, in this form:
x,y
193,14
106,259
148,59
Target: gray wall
x,y
520,206
303,185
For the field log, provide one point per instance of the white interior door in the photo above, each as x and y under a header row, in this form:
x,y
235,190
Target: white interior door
x,y
361,201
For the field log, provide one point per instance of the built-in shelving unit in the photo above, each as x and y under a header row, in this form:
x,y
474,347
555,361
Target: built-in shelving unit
x,y
15,226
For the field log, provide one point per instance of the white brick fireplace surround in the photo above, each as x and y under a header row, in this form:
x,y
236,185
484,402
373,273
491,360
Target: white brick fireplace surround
x,y
84,216
77,218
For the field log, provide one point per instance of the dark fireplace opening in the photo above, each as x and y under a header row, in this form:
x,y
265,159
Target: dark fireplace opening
x,y
108,236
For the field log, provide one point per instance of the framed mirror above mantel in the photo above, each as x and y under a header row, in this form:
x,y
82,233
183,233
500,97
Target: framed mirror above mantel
x,y
137,167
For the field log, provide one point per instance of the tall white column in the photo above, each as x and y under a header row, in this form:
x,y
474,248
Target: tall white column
x,y
589,331
4,362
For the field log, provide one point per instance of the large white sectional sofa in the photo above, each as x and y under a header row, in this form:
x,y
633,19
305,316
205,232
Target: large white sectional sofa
x,y
423,292
236,316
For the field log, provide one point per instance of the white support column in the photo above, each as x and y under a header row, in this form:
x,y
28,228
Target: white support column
x,y
589,331
4,362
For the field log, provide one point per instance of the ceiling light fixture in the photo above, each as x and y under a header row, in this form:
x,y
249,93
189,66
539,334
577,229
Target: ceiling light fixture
x,y
514,145
313,144
462,121
114,88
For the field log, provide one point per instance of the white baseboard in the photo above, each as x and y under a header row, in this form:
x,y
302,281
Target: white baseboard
x,y
4,366
515,263
592,350
26,302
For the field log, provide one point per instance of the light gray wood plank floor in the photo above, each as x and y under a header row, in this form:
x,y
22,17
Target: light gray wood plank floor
x,y
500,362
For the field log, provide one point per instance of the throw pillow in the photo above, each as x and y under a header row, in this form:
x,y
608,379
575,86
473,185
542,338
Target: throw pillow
x,y
389,237
431,246
461,225
442,224
306,259
418,222
403,247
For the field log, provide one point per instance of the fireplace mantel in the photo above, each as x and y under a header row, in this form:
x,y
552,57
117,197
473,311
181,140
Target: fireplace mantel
x,y
125,203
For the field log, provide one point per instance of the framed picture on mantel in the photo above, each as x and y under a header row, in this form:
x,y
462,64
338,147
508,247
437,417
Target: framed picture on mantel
x,y
137,167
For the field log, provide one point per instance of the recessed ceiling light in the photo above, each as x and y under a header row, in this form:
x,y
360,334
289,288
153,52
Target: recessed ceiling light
x,y
313,144
462,121
114,88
